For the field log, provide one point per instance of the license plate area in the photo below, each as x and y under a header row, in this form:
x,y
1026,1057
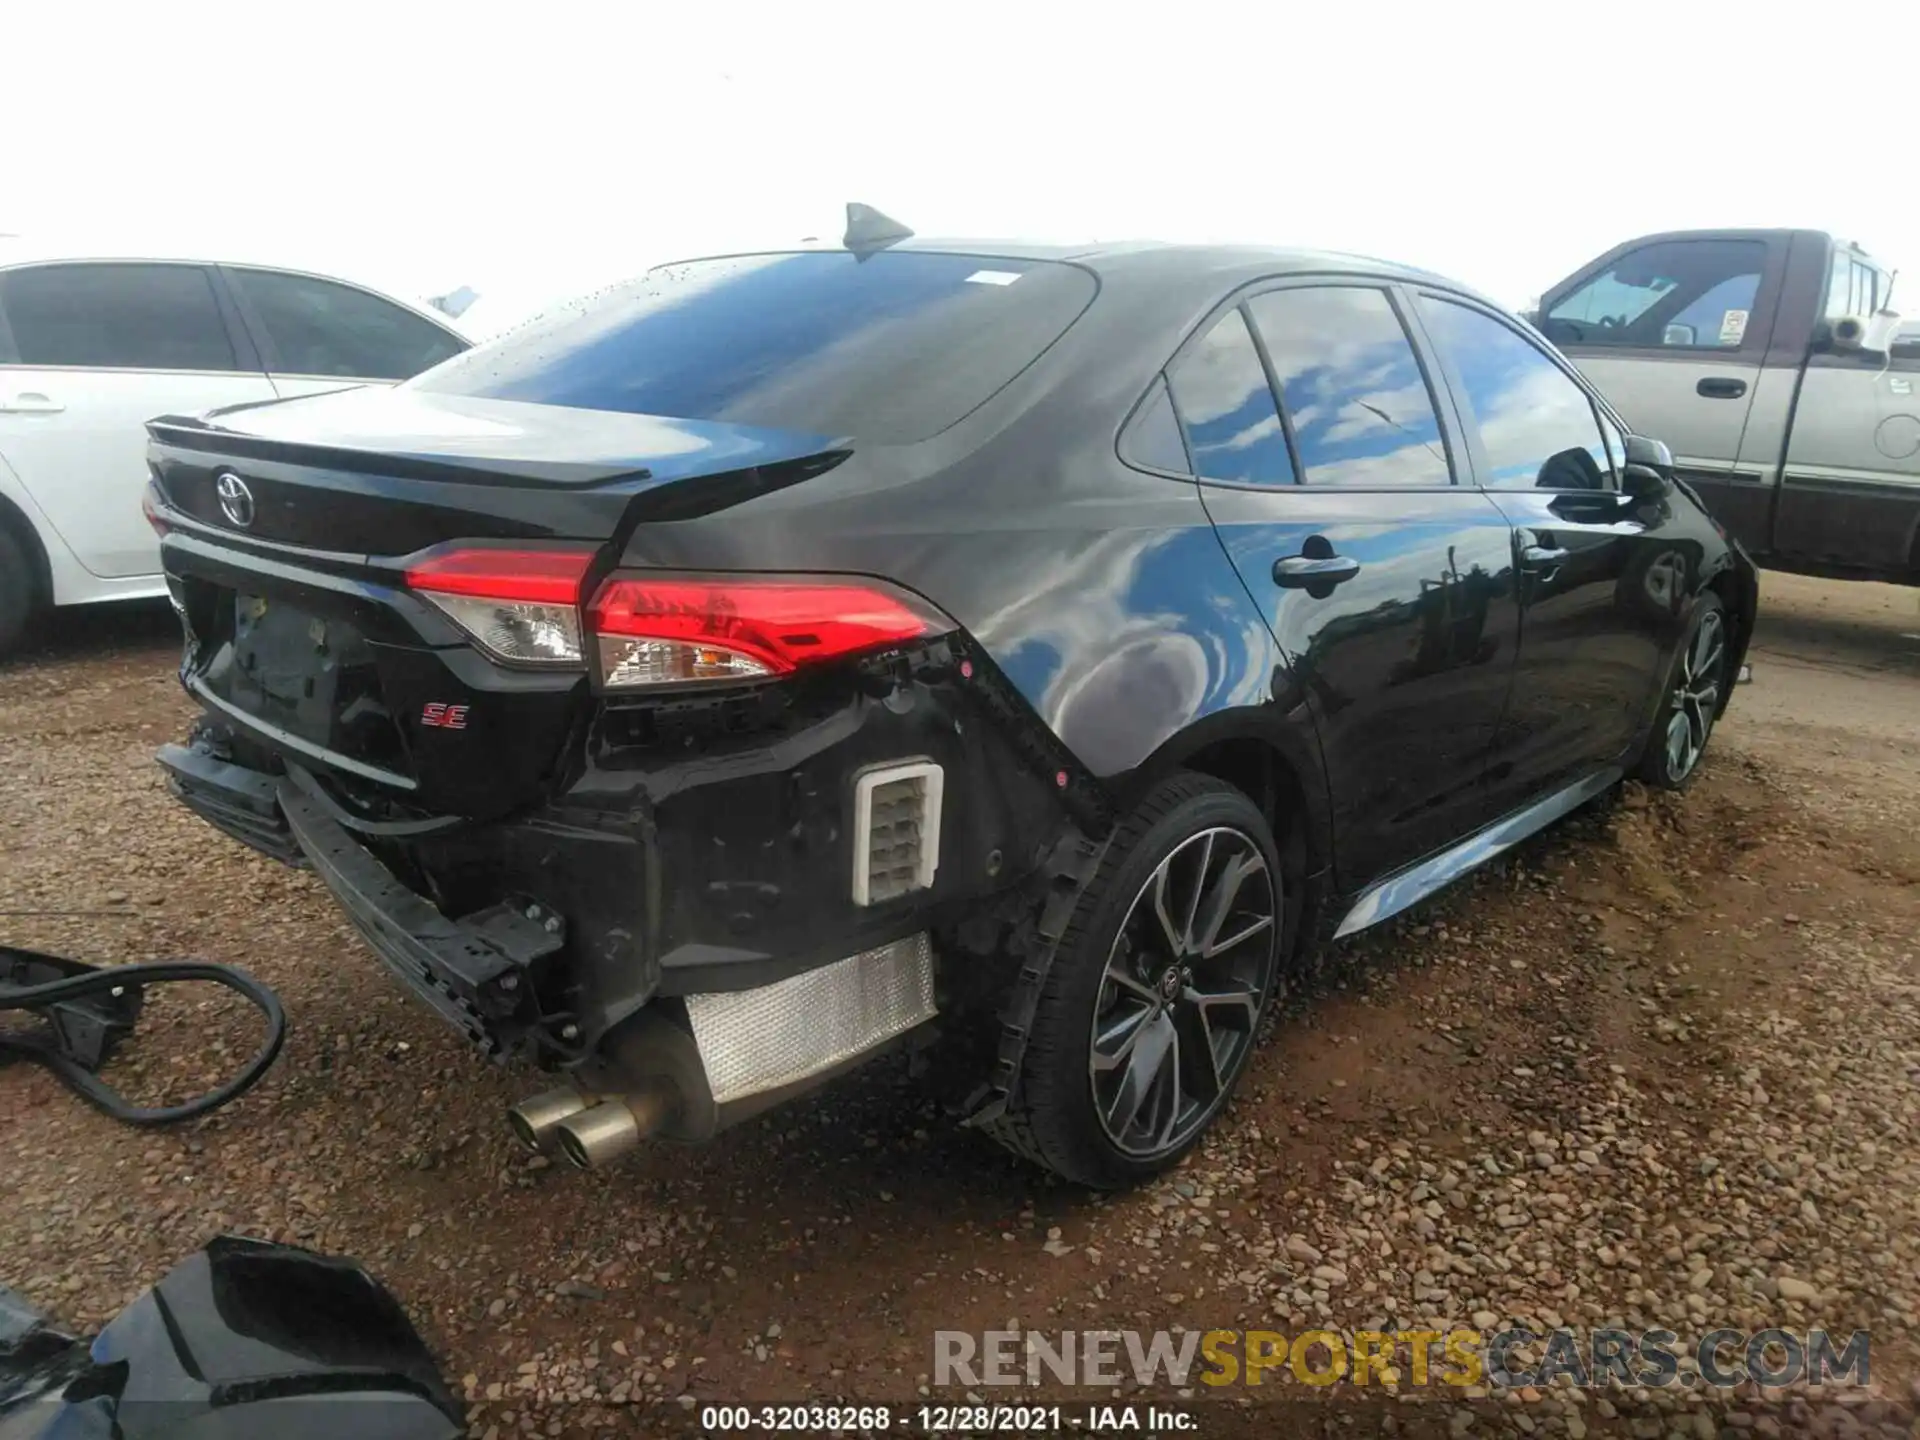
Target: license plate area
x,y
305,674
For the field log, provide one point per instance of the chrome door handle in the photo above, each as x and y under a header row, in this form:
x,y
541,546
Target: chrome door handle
x,y
1541,557
1297,572
32,402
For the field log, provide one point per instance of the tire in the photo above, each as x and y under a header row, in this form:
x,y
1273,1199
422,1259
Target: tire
x,y
1134,971
1690,699
17,592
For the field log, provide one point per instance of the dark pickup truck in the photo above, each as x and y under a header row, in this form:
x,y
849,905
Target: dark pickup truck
x,y
1772,364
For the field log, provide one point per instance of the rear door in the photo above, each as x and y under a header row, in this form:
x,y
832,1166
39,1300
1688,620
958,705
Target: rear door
x,y
1674,332
1602,578
97,350
317,334
1389,587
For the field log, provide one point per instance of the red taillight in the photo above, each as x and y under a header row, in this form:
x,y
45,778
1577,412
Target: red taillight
x,y
535,577
672,630
150,508
522,606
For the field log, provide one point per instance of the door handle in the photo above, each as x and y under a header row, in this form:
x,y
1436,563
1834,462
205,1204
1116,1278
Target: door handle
x,y
1540,557
1299,572
32,402
1721,387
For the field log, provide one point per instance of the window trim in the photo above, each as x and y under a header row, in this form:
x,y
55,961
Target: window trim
x,y
263,337
1450,433
1476,451
1161,383
1760,320
246,357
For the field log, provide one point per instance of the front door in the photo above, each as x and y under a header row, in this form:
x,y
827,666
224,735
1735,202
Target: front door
x,y
1388,587
97,350
1602,577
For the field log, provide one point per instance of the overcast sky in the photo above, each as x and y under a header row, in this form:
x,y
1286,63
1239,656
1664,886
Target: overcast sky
x,y
535,149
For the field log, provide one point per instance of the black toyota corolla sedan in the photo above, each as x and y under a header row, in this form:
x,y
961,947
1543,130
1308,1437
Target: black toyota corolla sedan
x,y
726,678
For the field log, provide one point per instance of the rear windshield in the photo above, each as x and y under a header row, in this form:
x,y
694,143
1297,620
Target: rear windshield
x,y
890,349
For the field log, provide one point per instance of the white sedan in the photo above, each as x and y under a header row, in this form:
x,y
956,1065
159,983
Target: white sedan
x,y
93,346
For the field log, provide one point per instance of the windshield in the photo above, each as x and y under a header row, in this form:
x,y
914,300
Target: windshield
x,y
890,349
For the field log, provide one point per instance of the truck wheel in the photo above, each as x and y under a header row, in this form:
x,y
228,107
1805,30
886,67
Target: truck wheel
x,y
1695,685
16,592
1151,1009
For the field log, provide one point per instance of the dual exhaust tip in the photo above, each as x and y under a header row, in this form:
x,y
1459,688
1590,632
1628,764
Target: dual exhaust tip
x,y
589,1131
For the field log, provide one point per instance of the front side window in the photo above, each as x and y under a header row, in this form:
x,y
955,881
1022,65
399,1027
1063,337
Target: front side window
x,y
1361,412
1221,391
318,327
116,317
889,348
1689,294
1537,428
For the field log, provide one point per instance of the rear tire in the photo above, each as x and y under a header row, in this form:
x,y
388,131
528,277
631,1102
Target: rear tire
x,y
1153,1004
1695,686
18,593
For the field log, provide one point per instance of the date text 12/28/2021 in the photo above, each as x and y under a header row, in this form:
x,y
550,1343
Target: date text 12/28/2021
x,y
966,1419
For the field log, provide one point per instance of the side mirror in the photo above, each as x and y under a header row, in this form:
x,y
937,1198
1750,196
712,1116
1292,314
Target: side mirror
x,y
1848,332
1648,473
1679,335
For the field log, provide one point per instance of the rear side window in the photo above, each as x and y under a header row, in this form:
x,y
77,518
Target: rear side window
x,y
1538,430
889,348
318,327
1689,294
1361,412
116,317
1233,429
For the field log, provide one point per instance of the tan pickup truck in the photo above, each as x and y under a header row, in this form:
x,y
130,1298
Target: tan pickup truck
x,y
1772,364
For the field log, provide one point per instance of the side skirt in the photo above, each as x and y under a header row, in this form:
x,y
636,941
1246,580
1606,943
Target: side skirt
x,y
1417,882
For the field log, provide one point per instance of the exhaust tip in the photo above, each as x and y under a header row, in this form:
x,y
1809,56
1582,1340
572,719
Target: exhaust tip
x,y
603,1133
533,1120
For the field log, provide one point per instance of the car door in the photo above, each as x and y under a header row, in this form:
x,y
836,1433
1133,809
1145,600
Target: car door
x,y
97,350
317,334
1603,577
1674,332
1388,587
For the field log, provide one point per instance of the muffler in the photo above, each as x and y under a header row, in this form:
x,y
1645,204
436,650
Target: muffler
x,y
598,1135
533,1120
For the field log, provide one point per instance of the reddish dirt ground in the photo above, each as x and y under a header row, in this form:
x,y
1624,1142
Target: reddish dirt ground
x,y
1660,1067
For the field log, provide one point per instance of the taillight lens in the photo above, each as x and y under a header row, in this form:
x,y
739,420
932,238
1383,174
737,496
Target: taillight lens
x,y
150,507
521,606
678,630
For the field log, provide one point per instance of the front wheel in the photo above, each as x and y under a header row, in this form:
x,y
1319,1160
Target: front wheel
x,y
1151,1009
1692,701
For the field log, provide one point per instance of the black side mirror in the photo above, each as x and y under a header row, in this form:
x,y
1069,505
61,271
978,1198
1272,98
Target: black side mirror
x,y
1648,473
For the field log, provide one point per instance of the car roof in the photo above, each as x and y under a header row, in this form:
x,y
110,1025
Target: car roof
x,y
1206,266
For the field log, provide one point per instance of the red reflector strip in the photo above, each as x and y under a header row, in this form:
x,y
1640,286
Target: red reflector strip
x,y
781,623
535,577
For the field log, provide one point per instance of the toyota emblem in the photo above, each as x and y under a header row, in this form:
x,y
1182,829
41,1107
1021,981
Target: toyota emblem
x,y
236,500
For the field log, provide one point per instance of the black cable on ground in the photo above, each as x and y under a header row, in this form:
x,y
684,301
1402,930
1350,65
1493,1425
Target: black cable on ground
x,y
45,1050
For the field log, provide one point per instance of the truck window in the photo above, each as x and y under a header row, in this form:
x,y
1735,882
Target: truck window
x,y
1687,294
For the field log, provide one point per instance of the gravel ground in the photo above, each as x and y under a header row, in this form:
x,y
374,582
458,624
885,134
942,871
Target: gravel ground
x,y
1660,1069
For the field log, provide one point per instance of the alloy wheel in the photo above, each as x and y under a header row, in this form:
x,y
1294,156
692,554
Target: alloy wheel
x,y
1696,696
1181,996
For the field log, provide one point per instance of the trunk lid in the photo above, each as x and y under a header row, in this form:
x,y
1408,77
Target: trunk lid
x,y
302,633
376,471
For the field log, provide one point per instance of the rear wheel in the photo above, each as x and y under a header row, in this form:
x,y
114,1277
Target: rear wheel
x,y
1150,1012
16,592
1692,701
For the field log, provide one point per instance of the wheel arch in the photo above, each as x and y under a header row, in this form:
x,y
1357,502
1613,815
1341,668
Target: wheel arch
x,y
14,521
1738,589
1279,769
